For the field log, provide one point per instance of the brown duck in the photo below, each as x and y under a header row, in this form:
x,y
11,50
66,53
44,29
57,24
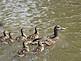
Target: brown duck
x,y
31,38
10,39
22,36
39,48
53,38
23,52
4,37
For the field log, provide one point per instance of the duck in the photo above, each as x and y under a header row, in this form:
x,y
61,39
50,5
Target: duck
x,y
52,39
34,35
22,36
4,37
31,38
10,39
39,48
23,52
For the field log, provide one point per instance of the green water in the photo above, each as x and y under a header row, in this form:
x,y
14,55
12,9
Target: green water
x,y
45,14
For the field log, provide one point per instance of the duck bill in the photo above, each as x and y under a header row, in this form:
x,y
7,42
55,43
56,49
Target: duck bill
x,y
63,28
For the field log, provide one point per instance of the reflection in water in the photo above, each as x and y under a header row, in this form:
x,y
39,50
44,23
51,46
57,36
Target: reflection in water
x,y
15,14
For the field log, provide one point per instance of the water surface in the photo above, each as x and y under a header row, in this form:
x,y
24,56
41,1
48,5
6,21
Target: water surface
x,y
45,14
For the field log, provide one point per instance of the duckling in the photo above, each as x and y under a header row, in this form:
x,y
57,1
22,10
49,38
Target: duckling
x,y
22,37
23,52
31,38
34,42
25,46
34,35
10,39
39,48
53,38
4,37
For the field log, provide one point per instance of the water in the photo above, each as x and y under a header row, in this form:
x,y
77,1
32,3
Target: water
x,y
45,14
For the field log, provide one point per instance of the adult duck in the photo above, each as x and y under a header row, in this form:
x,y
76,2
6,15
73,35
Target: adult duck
x,y
53,38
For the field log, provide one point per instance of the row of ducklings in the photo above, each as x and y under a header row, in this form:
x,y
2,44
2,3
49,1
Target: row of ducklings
x,y
32,39
7,38
41,43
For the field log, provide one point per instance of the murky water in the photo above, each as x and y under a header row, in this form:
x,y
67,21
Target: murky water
x,y
15,14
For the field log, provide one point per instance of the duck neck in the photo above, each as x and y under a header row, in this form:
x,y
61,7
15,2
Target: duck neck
x,y
4,33
10,35
39,43
22,34
24,45
35,31
55,32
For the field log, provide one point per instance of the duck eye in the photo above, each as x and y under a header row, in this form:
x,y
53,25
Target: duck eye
x,y
58,27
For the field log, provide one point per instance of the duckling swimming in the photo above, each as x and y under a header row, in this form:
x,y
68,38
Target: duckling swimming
x,y
34,35
23,52
39,48
53,38
4,37
31,38
10,39
22,36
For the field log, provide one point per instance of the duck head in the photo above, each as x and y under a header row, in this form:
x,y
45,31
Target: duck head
x,y
58,28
